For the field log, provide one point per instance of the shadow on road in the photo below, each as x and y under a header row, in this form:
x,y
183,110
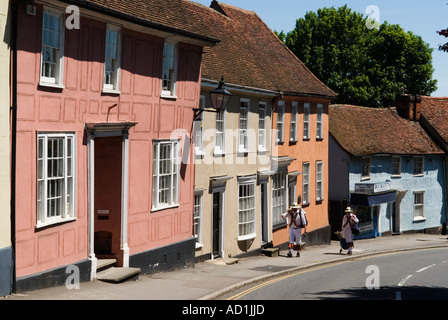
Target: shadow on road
x,y
387,293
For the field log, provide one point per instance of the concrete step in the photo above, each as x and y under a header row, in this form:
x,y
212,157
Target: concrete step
x,y
270,252
118,274
223,261
103,264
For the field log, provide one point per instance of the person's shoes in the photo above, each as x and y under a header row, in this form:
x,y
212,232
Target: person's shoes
x,y
289,254
349,253
298,255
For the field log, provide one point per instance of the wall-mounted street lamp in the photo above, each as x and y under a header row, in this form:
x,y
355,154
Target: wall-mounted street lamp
x,y
220,98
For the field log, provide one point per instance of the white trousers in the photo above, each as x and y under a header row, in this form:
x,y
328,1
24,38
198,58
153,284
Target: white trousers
x,y
295,235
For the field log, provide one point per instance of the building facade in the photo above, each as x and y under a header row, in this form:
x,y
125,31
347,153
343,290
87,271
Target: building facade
x,y
243,179
387,169
301,133
105,114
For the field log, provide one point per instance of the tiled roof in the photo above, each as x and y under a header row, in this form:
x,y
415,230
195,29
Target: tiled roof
x,y
178,16
251,55
435,111
368,131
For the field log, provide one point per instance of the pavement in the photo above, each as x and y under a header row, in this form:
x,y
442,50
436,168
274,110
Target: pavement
x,y
212,279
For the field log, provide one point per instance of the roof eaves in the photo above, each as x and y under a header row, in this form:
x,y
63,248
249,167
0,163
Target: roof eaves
x,y
142,22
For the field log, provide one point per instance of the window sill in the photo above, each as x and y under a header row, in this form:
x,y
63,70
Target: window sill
x,y
199,154
168,96
51,85
219,153
111,91
419,219
54,222
247,237
165,207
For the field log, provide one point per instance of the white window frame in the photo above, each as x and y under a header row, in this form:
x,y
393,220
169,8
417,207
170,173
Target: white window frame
x,y
57,79
243,127
47,161
262,107
306,121
366,163
419,205
280,121
172,188
247,208
319,121
199,129
170,92
396,172
306,183
220,132
319,181
114,86
279,197
294,117
197,216
421,170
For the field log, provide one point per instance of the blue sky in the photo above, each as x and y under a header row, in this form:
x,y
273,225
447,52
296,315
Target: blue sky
x,y
422,17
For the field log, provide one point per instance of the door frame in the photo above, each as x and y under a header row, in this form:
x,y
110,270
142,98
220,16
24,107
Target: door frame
x,y
218,185
101,130
220,254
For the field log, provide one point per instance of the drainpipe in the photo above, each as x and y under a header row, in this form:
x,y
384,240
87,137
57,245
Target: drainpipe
x,y
13,111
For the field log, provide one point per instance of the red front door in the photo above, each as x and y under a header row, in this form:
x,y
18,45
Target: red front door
x,y
108,176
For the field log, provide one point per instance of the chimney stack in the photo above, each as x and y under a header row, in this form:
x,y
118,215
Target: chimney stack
x,y
409,106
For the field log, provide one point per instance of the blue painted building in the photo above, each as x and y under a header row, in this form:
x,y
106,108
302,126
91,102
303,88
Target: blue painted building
x,y
387,169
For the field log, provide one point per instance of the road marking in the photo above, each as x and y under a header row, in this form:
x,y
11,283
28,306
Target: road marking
x,y
401,283
423,269
245,292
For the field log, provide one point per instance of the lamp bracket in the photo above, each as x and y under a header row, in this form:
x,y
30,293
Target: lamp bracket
x,y
198,112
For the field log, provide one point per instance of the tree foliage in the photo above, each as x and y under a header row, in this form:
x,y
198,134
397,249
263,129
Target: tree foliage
x,y
365,66
444,33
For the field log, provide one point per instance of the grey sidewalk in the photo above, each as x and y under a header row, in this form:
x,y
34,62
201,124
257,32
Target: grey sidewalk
x,y
208,280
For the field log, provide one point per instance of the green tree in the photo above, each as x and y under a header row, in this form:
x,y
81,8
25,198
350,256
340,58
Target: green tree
x,y
365,66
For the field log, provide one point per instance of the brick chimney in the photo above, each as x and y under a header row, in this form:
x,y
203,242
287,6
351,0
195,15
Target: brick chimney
x,y
409,106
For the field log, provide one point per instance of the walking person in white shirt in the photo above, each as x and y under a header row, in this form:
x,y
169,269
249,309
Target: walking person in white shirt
x,y
296,220
347,222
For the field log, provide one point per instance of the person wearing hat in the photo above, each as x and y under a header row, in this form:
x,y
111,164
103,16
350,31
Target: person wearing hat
x,y
296,220
347,222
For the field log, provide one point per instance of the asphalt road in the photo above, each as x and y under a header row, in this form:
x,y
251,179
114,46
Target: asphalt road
x,y
419,274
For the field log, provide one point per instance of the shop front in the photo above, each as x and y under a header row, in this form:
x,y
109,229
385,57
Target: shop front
x,y
366,202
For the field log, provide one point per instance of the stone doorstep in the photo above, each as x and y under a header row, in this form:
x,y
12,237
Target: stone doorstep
x,y
274,252
271,252
117,274
223,261
104,263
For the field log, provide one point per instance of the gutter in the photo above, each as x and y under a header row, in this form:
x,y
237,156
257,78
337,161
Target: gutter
x,y
274,93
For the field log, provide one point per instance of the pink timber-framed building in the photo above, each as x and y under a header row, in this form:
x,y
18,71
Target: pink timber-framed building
x,y
104,163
